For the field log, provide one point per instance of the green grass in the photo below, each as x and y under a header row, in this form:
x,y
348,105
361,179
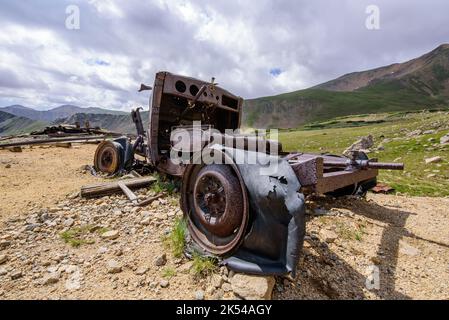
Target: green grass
x,y
168,272
163,184
176,239
412,151
312,105
203,266
350,233
13,125
77,236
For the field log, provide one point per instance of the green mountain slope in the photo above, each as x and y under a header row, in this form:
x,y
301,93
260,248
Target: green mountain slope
x,y
13,125
422,83
56,113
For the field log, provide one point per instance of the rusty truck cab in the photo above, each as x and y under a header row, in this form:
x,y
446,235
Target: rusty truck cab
x,y
171,107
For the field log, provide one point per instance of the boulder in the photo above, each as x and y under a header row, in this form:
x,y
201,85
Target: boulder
x,y
365,143
251,287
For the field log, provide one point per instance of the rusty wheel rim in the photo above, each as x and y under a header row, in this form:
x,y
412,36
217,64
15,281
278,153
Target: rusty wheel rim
x,y
212,207
107,157
215,227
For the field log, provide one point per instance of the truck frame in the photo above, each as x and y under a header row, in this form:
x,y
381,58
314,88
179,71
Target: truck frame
x,y
225,204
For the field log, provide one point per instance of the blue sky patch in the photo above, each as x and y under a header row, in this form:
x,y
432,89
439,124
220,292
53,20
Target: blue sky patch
x,y
275,72
97,62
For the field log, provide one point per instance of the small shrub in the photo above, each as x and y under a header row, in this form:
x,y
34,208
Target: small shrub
x,y
203,266
168,272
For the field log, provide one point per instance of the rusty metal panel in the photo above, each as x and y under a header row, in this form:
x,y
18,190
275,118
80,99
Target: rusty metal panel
x,y
332,181
153,130
191,86
308,171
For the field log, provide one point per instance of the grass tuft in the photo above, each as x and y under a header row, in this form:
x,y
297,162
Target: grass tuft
x,y
77,236
176,239
163,184
203,266
168,272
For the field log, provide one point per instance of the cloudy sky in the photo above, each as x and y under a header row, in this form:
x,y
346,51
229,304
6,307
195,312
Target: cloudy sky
x,y
253,48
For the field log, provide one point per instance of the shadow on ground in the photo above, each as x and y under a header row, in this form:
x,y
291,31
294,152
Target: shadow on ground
x,y
323,274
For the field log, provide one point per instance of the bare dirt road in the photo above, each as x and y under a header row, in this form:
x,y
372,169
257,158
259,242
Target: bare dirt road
x,y
400,243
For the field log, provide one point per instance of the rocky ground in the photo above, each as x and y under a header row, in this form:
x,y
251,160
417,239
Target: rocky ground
x,y
73,248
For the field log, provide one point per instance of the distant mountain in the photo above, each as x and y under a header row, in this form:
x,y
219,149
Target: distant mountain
x,y
56,113
14,125
111,122
421,83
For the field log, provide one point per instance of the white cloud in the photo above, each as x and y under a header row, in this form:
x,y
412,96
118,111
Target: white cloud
x,y
123,43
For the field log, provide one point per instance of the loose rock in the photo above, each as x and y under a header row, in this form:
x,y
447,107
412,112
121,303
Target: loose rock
x,y
3,258
16,275
51,278
114,266
252,287
111,235
142,270
444,139
164,283
199,295
433,160
160,260
328,235
407,249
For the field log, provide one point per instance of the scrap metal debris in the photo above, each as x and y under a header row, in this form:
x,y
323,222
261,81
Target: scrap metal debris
x,y
382,188
253,222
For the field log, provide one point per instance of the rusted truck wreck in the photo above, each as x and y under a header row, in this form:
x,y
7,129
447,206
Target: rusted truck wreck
x,y
250,214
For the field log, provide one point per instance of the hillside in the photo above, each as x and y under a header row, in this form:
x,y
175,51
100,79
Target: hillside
x,y
12,125
56,113
421,83
115,123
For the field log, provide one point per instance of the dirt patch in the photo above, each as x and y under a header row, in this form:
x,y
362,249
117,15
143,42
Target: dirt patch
x,y
404,239
40,176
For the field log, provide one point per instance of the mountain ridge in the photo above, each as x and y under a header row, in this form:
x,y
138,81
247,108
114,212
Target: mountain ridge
x,y
50,115
420,83
14,125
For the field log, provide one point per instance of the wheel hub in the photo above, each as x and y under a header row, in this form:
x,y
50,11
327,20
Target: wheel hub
x,y
214,213
215,201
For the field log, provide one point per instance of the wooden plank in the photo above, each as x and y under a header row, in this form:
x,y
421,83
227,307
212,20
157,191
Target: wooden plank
x,y
53,140
150,200
102,189
127,191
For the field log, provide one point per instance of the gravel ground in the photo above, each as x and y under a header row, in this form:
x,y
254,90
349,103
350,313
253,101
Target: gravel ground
x,y
121,254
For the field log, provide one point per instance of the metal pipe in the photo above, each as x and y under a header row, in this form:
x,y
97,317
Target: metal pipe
x,y
365,164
